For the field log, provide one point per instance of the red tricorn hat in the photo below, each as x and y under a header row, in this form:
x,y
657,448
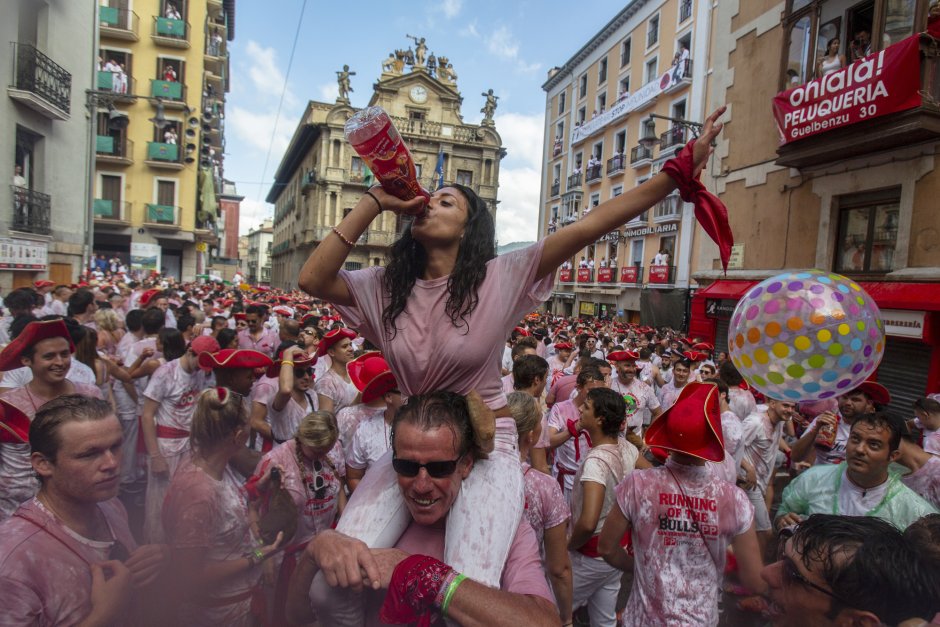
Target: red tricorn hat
x,y
232,358
41,283
332,338
240,316
299,362
878,393
284,299
14,424
302,307
33,332
521,331
691,426
703,346
622,356
563,346
147,296
695,356
281,310
371,375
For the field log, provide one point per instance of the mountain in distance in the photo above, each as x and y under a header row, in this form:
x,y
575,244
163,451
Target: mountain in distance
x,y
508,248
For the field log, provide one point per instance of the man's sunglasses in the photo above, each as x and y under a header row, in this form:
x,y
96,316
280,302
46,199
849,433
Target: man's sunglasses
x,y
792,574
437,470
300,373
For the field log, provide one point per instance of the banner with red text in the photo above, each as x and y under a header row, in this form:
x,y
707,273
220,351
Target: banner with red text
x,y
584,275
629,274
605,275
880,84
564,275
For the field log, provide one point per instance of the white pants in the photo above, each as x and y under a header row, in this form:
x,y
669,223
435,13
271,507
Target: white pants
x,y
153,502
596,583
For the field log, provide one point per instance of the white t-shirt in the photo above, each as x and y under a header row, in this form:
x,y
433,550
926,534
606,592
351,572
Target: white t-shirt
x,y
640,400
371,440
566,455
78,373
176,392
348,420
857,501
836,455
606,464
761,440
284,422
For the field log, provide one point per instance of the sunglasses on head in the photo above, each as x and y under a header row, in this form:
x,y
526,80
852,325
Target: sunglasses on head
x,y
437,470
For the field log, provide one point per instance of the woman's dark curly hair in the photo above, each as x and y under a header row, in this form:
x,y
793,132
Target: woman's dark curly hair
x,y
407,260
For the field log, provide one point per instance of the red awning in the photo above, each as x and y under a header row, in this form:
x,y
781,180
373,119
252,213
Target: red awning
x,y
726,289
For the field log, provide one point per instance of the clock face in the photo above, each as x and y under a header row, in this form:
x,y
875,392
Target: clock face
x,y
418,94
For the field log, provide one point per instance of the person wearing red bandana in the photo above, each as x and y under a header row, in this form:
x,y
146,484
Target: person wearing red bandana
x,y
433,453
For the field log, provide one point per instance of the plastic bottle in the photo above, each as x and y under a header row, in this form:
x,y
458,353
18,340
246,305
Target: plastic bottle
x,y
374,137
826,436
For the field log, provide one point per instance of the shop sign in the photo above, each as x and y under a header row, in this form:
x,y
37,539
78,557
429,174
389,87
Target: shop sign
x,y
736,261
23,254
880,84
720,308
629,274
145,257
650,230
586,309
904,323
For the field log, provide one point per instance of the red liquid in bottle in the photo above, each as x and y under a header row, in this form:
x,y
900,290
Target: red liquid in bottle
x,y
374,137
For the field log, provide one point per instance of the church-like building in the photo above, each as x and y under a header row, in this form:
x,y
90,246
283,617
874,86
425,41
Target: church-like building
x,y
320,177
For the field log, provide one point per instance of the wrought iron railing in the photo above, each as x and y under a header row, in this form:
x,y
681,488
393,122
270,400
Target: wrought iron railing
x,y
37,73
31,211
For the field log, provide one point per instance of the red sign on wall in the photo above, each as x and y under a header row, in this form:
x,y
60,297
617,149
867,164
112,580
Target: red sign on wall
x,y
882,83
659,274
629,274
584,275
605,275
564,275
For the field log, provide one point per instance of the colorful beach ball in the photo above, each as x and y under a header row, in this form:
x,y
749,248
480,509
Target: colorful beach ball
x,y
806,336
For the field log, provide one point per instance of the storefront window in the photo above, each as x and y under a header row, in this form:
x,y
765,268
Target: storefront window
x,y
868,231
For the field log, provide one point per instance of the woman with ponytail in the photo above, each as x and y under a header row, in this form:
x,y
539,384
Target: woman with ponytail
x,y
216,557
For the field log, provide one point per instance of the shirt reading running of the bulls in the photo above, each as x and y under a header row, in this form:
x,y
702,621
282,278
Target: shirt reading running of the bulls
x,y
682,521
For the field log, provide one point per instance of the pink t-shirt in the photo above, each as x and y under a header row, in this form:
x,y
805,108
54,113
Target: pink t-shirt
x,y
45,569
266,342
315,492
566,455
545,504
564,386
680,536
428,352
926,481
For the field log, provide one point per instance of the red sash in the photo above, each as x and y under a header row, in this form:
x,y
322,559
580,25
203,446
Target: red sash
x,y
589,548
171,433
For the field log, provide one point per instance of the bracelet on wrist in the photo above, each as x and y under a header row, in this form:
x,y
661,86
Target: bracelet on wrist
x,y
375,198
449,595
343,238
287,362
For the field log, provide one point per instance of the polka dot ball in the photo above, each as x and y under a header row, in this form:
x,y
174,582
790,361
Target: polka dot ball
x,y
806,336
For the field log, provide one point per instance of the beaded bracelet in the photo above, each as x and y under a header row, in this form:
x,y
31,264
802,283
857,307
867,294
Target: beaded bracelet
x,y
451,589
342,237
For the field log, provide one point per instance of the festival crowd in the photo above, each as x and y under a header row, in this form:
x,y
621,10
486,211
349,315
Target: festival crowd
x,y
418,444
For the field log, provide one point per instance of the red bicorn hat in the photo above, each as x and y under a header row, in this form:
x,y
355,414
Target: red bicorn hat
x,y
14,424
332,338
563,346
703,346
691,426
302,362
281,310
33,332
232,358
695,355
41,283
878,393
622,356
371,375
521,331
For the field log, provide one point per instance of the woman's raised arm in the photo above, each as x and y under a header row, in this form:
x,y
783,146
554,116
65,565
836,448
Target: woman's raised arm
x,y
565,242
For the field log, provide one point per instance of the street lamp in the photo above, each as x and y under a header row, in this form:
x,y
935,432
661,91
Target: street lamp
x,y
650,139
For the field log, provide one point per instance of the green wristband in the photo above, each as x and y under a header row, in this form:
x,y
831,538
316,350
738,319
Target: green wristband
x,y
451,589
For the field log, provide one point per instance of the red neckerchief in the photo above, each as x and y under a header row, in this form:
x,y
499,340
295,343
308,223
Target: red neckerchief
x,y
577,440
710,212
412,591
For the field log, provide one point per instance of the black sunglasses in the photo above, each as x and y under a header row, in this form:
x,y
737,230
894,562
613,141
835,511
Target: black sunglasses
x,y
437,470
793,575
302,372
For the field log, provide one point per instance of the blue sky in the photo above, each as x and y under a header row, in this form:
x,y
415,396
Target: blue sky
x,y
506,46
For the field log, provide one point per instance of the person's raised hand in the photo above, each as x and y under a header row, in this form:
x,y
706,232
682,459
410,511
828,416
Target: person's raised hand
x,y
396,205
343,559
703,145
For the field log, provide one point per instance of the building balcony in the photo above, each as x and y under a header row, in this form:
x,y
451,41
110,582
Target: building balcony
x,y
640,220
585,275
685,10
607,276
112,212
162,216
117,83
631,275
669,209
427,128
114,150
40,83
173,93
356,177
556,189
593,173
662,275
566,275
676,136
884,133
31,211
641,156
163,156
574,181
681,76
615,164
308,181
169,32
120,24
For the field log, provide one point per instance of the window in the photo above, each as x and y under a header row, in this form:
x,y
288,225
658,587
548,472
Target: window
x,y
465,177
556,174
582,113
115,72
416,115
598,150
601,102
171,71
560,130
352,265
555,212
616,191
582,87
561,102
169,134
623,89
667,244
620,142
346,211
651,70
625,52
602,72
418,170
356,169
111,188
166,193
578,159
636,252
595,199
652,31
868,231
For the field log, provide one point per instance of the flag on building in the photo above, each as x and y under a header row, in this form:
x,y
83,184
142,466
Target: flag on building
x,y
439,171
